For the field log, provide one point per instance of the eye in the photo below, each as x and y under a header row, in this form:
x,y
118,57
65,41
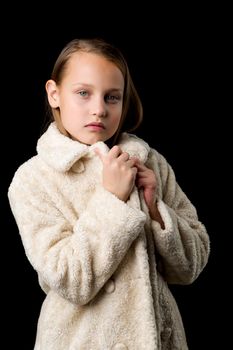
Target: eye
x,y
83,93
112,98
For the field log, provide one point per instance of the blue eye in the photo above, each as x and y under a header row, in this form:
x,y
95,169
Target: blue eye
x,y
83,93
112,98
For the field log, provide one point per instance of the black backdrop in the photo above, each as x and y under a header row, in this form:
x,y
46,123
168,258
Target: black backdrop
x,y
178,66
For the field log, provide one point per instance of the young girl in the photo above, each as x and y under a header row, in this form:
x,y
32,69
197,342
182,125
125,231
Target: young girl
x,y
102,219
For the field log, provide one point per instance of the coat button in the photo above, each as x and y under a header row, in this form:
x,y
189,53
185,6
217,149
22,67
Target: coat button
x,y
119,346
109,286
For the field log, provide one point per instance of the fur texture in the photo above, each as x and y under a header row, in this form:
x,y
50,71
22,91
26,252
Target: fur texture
x,y
104,264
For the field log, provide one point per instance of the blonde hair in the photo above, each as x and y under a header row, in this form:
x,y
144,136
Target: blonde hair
x,y
132,111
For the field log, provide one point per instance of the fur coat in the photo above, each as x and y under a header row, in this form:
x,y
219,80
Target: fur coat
x,y
104,265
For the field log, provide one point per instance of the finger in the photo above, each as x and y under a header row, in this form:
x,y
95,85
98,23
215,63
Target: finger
x,y
140,166
124,156
136,160
131,163
138,163
115,151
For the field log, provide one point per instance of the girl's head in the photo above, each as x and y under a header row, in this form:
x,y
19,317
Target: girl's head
x,y
91,94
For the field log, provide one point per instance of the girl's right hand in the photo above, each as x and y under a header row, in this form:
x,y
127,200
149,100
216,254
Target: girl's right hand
x,y
119,172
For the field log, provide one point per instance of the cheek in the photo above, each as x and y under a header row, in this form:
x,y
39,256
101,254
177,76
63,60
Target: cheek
x,y
116,121
117,115
69,109
67,101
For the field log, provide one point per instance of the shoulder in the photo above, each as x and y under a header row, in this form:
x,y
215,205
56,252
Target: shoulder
x,y
28,165
25,172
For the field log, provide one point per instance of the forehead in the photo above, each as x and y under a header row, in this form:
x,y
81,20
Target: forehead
x,y
84,64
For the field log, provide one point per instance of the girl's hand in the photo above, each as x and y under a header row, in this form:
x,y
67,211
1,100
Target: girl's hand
x,y
146,180
119,172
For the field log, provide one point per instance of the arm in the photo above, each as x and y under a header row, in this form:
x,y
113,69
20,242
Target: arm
x,y
73,259
180,238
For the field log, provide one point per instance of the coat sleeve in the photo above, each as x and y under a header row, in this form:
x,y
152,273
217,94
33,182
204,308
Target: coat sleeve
x,y
183,245
73,260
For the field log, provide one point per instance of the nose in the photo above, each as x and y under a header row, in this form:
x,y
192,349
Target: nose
x,y
98,107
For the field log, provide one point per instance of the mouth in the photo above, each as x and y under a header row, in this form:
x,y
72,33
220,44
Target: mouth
x,y
95,126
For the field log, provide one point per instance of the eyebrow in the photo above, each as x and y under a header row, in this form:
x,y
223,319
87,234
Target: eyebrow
x,y
91,86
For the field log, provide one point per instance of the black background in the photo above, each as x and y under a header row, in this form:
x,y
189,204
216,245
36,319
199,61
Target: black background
x,y
178,59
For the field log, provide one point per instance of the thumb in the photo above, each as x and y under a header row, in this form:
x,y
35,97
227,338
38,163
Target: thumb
x,y
136,161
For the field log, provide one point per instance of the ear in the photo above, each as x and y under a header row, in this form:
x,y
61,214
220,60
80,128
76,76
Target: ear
x,y
52,93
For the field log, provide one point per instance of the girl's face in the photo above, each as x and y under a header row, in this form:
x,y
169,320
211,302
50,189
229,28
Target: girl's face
x,y
89,98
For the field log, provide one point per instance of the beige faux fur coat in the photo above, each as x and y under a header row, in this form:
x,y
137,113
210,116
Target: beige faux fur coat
x,y
104,264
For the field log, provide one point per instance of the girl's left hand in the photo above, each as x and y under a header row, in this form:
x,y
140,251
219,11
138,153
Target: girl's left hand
x,y
146,180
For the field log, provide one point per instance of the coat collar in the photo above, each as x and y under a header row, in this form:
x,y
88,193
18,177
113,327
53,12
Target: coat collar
x,y
61,152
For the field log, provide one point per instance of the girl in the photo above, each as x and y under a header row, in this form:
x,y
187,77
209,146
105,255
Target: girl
x,y
102,219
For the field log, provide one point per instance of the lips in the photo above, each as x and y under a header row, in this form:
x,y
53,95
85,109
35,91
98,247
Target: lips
x,y
95,124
